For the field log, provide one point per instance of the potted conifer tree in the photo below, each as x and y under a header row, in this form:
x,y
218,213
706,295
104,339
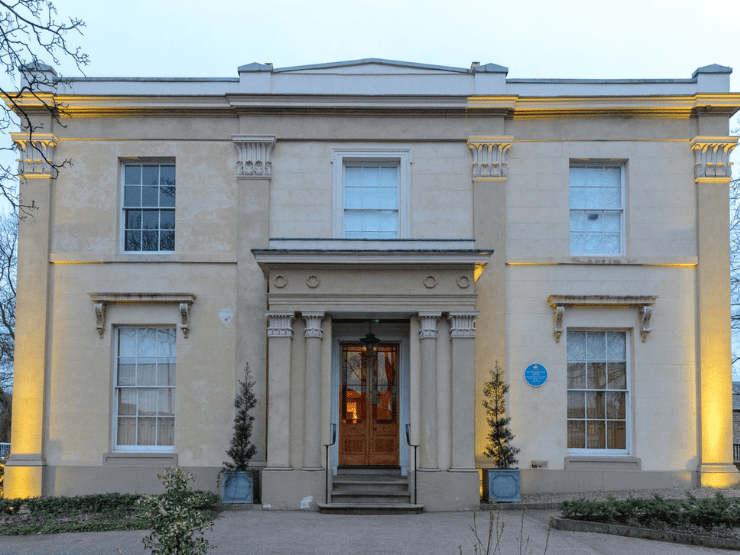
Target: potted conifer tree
x,y
503,480
238,483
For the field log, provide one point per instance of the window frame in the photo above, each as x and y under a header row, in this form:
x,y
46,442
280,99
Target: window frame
x,y
127,448
155,161
595,163
356,156
606,452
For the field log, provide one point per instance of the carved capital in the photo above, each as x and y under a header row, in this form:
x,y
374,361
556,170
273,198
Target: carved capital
x,y
313,324
712,158
462,324
489,157
428,322
280,324
254,156
36,152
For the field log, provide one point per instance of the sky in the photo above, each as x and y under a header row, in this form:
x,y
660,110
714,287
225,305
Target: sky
x,y
533,38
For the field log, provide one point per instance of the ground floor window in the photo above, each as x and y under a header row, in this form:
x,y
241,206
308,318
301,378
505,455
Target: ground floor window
x,y
145,388
598,392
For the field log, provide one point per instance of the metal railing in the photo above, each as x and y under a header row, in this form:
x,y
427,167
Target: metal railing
x,y
408,441
326,446
736,452
4,450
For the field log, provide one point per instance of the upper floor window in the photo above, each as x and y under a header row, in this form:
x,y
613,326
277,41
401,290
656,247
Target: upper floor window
x,y
371,194
596,209
149,207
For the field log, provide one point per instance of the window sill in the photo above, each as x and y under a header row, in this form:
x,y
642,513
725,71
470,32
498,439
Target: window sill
x,y
140,458
608,462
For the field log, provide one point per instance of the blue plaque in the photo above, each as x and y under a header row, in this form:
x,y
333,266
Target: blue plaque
x,y
535,375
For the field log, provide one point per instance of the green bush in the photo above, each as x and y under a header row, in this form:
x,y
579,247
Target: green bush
x,y
705,513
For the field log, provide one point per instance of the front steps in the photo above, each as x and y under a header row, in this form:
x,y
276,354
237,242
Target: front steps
x,y
370,490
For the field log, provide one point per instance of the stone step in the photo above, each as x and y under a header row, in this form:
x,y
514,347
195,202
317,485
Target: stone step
x,y
369,471
361,486
370,508
370,497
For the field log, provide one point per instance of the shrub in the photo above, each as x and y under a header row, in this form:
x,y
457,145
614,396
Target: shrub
x,y
177,516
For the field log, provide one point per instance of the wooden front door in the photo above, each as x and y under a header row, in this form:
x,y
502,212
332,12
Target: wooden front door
x,y
368,411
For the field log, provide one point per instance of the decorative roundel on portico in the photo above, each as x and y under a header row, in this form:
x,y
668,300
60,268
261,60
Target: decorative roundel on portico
x,y
463,282
312,282
280,281
430,282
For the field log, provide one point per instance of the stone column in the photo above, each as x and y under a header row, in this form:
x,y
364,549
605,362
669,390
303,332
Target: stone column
x,y
428,336
253,172
312,400
24,468
279,338
712,174
462,334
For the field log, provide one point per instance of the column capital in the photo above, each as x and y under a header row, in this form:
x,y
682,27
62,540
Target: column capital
x,y
280,324
463,323
36,152
428,322
489,157
254,156
712,159
313,323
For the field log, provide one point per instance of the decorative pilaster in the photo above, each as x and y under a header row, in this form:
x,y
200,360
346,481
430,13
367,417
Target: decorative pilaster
x,y
36,152
428,335
312,392
254,156
489,157
712,158
279,340
462,354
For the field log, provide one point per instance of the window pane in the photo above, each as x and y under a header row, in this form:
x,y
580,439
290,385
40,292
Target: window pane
x,y
594,243
167,175
610,197
127,342
616,434
595,404
147,431
370,221
576,404
576,434
578,176
146,372
577,197
596,438
352,176
353,198
166,432
388,222
617,375
150,175
149,240
146,342
133,219
611,243
167,241
150,219
167,219
576,375
132,196
126,431
166,404
612,177
611,221
615,405
576,346
127,371
597,375
126,402
150,196
133,240
616,345
165,342
132,175
387,199
596,345
167,196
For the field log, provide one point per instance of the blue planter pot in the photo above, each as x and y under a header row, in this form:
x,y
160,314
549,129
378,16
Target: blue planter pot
x,y
237,487
504,485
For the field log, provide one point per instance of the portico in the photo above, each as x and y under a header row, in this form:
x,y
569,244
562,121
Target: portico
x,y
420,306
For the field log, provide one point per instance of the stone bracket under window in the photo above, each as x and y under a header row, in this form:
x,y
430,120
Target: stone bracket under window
x,y
489,157
644,305
101,300
254,156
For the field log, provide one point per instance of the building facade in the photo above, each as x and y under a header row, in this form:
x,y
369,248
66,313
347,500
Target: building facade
x,y
373,238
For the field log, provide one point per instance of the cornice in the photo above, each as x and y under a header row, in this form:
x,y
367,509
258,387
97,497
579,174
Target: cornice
x,y
509,106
